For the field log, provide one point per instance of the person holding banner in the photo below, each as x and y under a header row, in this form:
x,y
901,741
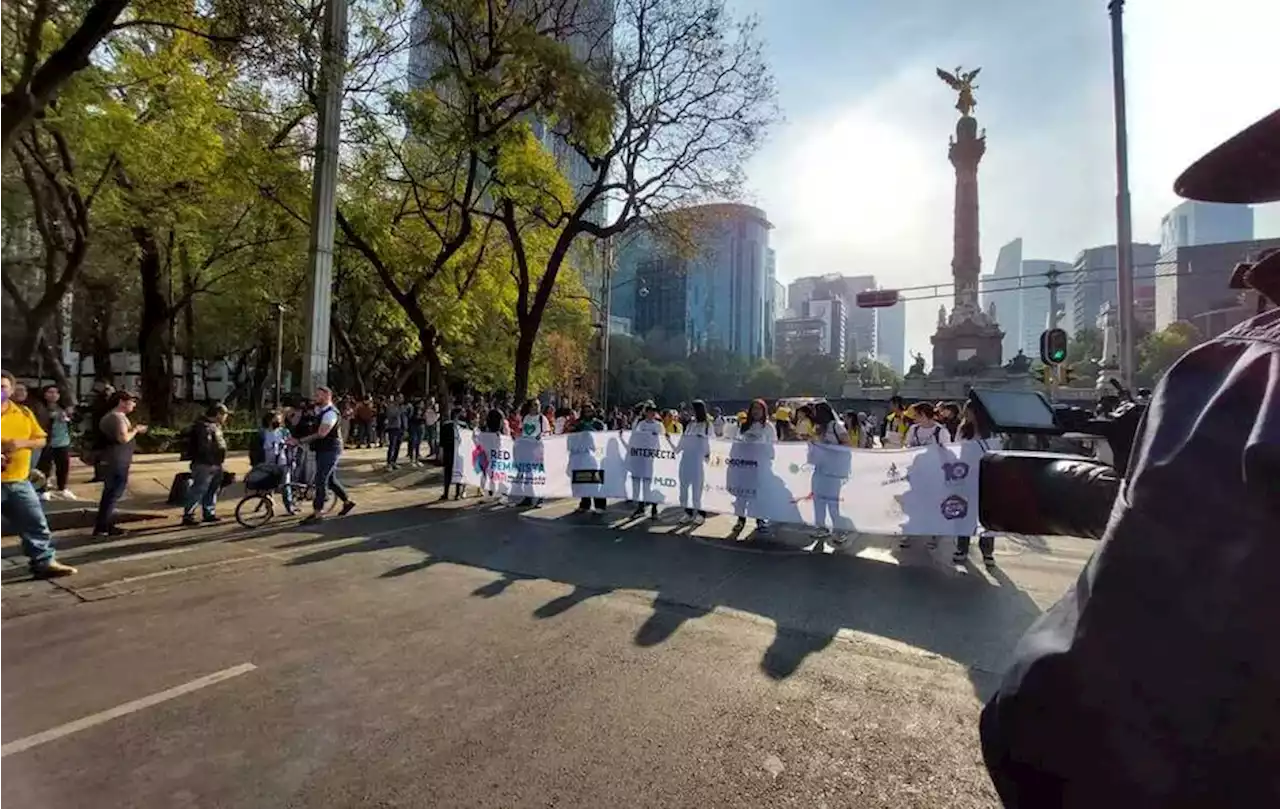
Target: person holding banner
x,y
642,468
695,447
923,433
756,429
828,430
588,423
533,424
893,432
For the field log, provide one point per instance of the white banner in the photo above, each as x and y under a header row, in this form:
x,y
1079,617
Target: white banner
x,y
925,490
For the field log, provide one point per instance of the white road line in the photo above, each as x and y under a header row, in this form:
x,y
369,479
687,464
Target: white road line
x,y
123,710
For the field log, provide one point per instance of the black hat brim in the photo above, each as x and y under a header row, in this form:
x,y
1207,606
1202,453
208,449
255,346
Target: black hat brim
x,y
1243,170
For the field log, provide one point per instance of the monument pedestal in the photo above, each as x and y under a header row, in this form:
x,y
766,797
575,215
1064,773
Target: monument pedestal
x,y
966,347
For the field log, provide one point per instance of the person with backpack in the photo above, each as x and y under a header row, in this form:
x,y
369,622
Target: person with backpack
x,y
207,451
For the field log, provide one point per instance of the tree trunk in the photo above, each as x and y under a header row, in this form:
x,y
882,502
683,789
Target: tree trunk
x,y
349,352
155,376
524,359
54,365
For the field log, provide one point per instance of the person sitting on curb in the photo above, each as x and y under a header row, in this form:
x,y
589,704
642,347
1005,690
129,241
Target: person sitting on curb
x,y
19,434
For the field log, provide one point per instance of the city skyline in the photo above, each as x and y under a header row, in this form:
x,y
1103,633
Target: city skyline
x,y
858,182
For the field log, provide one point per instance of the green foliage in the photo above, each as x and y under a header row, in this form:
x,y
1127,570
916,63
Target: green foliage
x,y
1159,350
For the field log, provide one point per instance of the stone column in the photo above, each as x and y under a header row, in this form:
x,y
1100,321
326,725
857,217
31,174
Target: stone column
x,y
966,150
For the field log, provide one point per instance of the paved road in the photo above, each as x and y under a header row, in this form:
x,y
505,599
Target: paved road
x,y
471,656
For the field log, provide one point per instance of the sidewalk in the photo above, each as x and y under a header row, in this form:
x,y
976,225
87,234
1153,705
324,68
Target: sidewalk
x,y
151,476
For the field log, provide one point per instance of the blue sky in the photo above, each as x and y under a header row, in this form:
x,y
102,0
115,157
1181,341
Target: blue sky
x,y
857,180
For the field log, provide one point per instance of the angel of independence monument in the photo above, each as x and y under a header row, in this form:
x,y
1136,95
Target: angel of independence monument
x,y
967,343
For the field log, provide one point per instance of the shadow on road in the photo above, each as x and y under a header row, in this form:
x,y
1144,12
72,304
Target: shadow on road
x,y
809,597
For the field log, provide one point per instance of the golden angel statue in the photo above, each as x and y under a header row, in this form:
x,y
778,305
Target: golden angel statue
x,y
962,83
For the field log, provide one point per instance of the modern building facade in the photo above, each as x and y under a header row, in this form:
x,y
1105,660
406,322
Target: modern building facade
x,y
1192,223
860,331
716,297
799,336
891,336
1091,282
1193,280
1034,299
1001,287
772,303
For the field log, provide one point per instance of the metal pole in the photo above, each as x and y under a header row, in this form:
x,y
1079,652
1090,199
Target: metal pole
x,y
324,185
279,351
1055,378
1124,224
608,313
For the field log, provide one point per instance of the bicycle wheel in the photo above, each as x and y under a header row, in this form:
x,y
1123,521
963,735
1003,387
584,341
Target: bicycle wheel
x,y
304,494
255,510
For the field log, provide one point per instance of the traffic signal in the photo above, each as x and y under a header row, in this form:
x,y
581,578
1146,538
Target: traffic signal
x,y
1046,375
1069,374
877,298
1053,346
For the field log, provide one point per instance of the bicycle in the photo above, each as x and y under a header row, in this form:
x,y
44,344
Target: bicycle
x,y
258,506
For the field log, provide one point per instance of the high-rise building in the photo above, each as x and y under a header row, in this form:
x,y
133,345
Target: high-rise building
x,y
835,317
1091,281
799,336
860,333
891,336
718,297
1001,288
1191,223
1035,298
771,306
1193,281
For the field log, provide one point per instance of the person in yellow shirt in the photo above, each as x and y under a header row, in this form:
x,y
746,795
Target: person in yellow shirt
x,y
20,433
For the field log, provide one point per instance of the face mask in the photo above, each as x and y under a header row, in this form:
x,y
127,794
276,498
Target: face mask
x,y
4,395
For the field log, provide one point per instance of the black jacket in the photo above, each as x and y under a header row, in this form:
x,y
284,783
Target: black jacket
x,y
208,446
1155,682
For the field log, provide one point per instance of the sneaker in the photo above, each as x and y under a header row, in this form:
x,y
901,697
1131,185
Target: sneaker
x,y
959,558
53,569
67,494
821,533
212,519
839,540
190,522
46,495
699,519
638,513
989,561
113,531
346,508
685,519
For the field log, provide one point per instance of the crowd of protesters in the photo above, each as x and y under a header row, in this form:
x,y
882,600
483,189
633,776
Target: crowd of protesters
x,y
305,440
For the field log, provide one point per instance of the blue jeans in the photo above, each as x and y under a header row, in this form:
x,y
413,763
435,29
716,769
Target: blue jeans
x,y
22,510
206,479
114,482
327,478
415,442
393,445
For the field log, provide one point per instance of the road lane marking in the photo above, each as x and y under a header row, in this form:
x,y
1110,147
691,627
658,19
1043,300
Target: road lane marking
x,y
124,710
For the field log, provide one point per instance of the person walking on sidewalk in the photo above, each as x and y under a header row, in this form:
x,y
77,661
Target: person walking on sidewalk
x,y
207,449
116,436
55,460
326,443
397,419
20,433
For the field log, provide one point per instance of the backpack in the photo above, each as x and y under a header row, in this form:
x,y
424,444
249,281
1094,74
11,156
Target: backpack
x,y
257,449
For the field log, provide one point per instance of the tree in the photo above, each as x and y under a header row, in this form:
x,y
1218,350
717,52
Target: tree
x,y
873,373
766,381
1159,350
815,375
678,99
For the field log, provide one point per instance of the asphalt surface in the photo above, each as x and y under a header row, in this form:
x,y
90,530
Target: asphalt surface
x,y
462,655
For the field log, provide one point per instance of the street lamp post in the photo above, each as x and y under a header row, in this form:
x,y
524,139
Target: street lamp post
x,y
280,307
1124,225
607,293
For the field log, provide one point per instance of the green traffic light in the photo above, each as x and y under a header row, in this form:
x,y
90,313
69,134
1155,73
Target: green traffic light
x,y
1058,356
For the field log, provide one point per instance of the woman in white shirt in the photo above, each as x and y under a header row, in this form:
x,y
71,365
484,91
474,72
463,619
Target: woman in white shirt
x,y
830,430
642,468
694,447
533,424
923,433
756,430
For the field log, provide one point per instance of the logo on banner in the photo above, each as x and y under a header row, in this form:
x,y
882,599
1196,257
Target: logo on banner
x,y
588,476
896,475
479,460
739,463
955,507
668,482
955,472
735,491
797,468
